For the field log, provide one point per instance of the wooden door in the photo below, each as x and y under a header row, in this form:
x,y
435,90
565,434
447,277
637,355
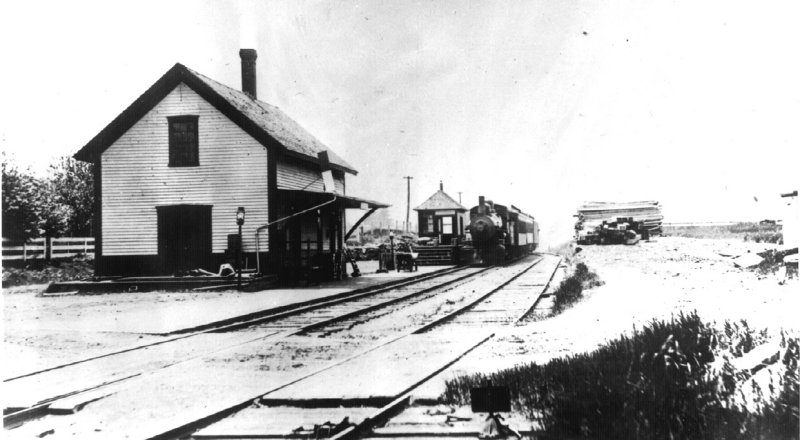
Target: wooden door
x,y
184,237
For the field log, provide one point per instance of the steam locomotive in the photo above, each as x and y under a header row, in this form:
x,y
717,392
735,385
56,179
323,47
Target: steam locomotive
x,y
501,233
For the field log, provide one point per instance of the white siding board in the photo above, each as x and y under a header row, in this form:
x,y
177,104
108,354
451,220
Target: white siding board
x,y
136,178
297,176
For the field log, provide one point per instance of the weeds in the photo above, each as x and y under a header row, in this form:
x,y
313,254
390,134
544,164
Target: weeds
x,y
765,237
747,231
752,227
657,383
740,338
571,289
41,272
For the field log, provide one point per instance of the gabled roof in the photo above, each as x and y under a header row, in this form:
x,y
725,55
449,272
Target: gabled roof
x,y
440,200
264,122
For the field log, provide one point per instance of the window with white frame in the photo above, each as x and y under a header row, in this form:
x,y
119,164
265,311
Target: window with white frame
x,y
447,225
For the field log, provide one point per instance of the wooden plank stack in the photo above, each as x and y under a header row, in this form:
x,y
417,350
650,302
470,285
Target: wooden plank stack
x,y
592,214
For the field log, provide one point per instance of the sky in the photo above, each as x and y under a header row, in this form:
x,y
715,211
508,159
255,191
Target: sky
x,y
536,103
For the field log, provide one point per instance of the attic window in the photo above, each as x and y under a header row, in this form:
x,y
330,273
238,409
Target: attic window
x,y
183,141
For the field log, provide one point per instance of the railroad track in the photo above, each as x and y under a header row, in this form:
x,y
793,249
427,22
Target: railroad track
x,y
449,339
255,318
294,347
42,388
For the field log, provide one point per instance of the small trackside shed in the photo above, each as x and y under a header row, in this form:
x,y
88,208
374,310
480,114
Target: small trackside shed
x,y
441,217
173,168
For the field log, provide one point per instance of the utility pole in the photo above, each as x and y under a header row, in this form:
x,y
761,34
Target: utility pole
x,y
408,199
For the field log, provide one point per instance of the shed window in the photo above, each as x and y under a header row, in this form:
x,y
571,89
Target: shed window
x,y
429,224
183,141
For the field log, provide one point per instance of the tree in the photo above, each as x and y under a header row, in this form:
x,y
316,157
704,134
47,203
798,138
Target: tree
x,y
71,185
21,203
60,204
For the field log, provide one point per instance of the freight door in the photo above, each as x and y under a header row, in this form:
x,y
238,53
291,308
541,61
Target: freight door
x,y
184,237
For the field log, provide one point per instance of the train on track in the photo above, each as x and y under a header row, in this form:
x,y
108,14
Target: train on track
x,y
499,233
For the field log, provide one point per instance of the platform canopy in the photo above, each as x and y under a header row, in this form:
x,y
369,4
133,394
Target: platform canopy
x,y
349,202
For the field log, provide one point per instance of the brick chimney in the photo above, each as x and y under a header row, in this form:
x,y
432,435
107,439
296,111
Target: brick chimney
x,y
248,57
441,186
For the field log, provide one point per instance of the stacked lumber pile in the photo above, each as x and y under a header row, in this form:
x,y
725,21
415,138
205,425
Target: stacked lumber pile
x,y
592,215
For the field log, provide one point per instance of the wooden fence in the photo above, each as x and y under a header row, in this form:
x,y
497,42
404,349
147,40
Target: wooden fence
x,y
50,248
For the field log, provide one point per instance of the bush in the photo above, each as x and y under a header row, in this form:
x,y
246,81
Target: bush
x,y
657,383
570,290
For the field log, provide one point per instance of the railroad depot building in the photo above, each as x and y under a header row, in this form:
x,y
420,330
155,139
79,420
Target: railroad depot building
x,y
441,217
172,170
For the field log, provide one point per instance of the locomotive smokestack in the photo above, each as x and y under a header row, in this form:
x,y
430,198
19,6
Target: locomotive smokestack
x,y
481,205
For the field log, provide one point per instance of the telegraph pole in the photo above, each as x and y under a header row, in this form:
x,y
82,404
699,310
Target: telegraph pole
x,y
408,199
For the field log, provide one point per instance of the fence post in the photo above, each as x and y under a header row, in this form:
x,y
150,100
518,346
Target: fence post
x,y
85,247
48,248
24,251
